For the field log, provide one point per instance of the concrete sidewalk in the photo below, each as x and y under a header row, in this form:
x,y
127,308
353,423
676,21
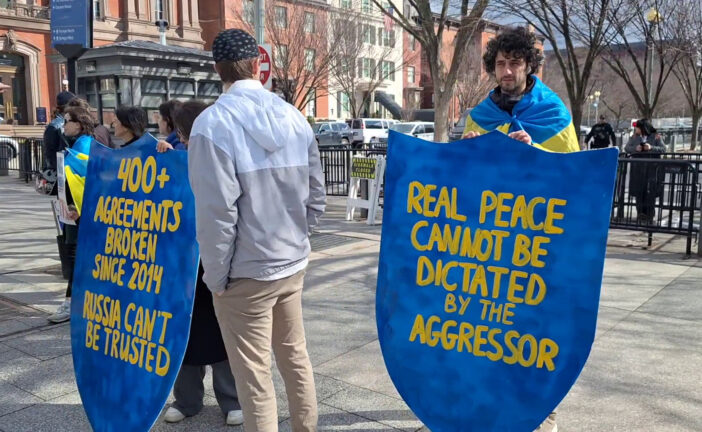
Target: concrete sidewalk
x,y
643,373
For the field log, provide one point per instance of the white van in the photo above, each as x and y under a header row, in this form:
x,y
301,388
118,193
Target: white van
x,y
366,130
423,130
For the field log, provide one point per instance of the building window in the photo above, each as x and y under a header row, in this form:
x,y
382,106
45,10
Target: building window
x,y
309,22
280,56
344,102
159,11
311,108
365,69
345,4
365,6
410,74
249,12
153,94
208,91
388,38
369,34
309,60
182,90
387,70
97,9
412,42
281,17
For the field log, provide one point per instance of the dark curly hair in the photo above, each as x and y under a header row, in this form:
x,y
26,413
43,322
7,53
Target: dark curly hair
x,y
517,42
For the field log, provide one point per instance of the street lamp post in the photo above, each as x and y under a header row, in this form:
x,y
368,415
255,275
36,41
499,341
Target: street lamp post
x,y
597,103
589,104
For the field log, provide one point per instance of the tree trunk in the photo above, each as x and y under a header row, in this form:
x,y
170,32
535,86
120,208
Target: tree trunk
x,y
695,129
441,110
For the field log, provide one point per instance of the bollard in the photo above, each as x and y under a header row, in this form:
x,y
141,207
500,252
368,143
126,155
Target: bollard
x,y
25,161
5,155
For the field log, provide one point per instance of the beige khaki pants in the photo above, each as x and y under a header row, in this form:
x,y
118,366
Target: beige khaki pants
x,y
255,315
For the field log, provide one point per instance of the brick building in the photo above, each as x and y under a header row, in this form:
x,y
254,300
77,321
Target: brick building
x,y
36,71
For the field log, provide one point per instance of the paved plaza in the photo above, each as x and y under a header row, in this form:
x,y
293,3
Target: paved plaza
x,y
643,373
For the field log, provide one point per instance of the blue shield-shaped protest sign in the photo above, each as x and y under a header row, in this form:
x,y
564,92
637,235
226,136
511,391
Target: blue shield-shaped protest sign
x,y
133,284
489,279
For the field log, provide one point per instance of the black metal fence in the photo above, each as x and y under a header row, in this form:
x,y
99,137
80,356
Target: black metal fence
x,y
652,195
658,196
336,164
20,155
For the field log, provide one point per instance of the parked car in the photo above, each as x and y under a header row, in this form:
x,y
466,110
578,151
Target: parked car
x,y
366,130
456,131
423,130
332,133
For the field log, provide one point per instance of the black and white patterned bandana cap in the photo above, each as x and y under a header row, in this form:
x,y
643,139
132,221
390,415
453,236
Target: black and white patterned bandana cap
x,y
234,45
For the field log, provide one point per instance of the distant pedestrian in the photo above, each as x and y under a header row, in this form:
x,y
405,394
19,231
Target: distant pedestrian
x,y
603,135
645,181
78,129
129,124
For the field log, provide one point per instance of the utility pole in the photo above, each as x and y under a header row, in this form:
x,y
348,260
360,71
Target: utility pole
x,y
260,20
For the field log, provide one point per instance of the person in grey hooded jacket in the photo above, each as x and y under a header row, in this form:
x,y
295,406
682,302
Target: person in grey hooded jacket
x,y
256,175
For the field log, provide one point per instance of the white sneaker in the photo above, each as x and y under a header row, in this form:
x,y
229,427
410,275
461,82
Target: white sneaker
x,y
173,415
62,314
235,417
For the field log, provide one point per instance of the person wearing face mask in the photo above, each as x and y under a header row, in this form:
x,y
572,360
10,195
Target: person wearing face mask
x,y
78,130
129,124
645,182
521,105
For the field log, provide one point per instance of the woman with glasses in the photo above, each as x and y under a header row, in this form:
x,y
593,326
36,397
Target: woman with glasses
x,y
78,130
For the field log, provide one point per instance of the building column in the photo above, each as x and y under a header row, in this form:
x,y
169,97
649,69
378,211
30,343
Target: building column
x,y
185,12
132,10
194,16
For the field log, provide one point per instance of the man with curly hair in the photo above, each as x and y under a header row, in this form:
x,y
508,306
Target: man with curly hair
x,y
521,105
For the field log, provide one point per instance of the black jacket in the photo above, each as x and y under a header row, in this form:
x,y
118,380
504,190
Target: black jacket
x,y
54,142
603,133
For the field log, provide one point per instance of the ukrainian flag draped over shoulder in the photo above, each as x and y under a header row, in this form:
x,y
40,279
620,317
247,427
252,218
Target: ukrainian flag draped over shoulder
x,y
76,166
541,113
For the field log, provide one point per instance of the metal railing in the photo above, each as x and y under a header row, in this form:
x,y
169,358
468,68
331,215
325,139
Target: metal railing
x,y
336,164
21,155
658,196
666,196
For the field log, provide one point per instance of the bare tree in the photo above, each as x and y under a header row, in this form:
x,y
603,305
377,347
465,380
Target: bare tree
x,y
302,56
686,22
472,85
420,20
365,58
576,29
640,51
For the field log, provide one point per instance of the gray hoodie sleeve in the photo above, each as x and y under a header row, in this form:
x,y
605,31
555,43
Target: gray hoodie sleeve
x,y
318,197
215,186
